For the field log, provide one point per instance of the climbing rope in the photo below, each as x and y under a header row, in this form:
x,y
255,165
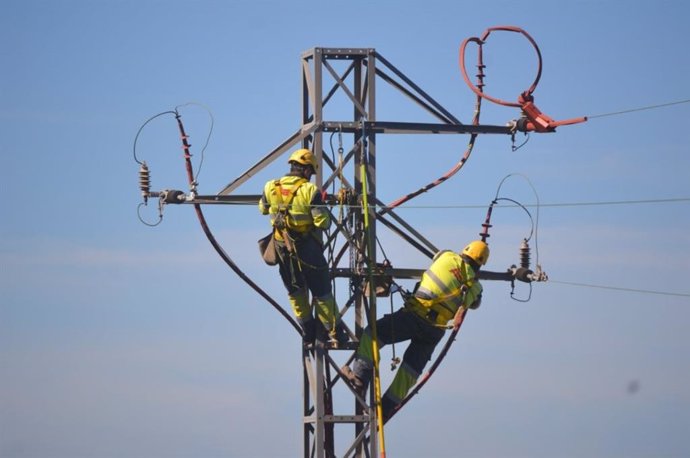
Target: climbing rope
x,y
372,296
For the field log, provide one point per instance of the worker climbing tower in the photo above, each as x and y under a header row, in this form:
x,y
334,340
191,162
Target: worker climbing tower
x,y
337,419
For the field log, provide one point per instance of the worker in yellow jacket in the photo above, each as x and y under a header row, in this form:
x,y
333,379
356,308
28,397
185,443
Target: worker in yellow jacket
x,y
298,217
448,284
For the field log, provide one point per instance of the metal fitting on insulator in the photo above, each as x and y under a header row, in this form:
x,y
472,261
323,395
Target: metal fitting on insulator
x,y
145,181
539,275
524,254
524,125
172,196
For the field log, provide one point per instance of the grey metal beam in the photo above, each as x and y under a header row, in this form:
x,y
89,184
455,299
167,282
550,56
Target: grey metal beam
x,y
298,136
245,199
412,273
419,90
394,127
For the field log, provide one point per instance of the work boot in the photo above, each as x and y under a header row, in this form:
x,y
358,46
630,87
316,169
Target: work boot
x,y
309,330
357,383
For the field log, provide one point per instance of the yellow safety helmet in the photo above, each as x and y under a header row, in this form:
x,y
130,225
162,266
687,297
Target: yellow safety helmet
x,y
305,157
478,251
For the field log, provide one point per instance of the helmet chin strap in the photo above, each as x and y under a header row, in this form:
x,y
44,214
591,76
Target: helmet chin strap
x,y
474,264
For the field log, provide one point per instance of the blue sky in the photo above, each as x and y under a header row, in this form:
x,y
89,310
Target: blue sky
x,y
121,340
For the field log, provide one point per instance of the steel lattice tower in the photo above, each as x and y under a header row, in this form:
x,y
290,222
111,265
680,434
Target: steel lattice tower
x,y
353,75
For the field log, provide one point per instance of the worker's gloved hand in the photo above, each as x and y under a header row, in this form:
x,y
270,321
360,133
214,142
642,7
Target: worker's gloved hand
x,y
524,274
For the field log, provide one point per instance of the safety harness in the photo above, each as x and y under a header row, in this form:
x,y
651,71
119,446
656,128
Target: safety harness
x,y
283,220
438,307
436,310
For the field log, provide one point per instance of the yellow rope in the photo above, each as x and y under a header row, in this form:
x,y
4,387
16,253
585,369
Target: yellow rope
x,y
372,315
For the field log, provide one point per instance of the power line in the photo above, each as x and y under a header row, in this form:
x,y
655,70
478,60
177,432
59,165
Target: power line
x,y
632,290
618,202
560,204
554,205
649,107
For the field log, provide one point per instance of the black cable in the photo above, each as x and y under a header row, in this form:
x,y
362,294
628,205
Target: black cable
x,y
535,222
136,137
532,228
143,221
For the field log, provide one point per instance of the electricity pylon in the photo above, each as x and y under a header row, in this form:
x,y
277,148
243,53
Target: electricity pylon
x,y
351,76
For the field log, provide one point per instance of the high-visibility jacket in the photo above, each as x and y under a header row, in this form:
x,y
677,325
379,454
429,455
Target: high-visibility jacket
x,y
299,200
447,284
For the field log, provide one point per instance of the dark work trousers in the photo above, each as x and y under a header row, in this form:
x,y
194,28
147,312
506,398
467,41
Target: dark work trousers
x,y
400,326
306,269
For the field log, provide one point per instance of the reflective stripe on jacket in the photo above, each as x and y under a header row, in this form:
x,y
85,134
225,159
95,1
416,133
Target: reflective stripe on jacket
x,y
440,292
305,212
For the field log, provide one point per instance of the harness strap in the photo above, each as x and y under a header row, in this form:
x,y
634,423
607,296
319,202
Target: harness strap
x,y
284,205
430,309
284,202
